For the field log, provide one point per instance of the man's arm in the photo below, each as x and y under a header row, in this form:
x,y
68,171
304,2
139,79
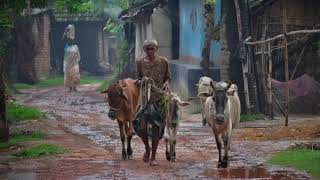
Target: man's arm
x,y
167,77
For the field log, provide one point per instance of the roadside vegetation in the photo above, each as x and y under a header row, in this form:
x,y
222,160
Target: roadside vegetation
x,y
40,150
22,136
252,117
58,81
16,112
301,159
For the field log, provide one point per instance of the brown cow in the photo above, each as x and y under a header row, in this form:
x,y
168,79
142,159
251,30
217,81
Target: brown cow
x,y
123,97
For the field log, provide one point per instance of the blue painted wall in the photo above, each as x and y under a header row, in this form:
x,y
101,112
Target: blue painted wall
x,y
191,28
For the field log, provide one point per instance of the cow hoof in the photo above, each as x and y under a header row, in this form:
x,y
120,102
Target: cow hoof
x,y
219,165
124,156
168,156
173,159
154,163
146,157
129,157
224,163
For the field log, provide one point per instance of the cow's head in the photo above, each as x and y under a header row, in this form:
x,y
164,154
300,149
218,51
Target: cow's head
x,y
221,99
174,103
204,88
116,98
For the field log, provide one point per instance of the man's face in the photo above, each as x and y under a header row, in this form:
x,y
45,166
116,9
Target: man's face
x,y
150,50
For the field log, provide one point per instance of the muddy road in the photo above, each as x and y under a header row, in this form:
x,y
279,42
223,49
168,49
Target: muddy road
x,y
78,121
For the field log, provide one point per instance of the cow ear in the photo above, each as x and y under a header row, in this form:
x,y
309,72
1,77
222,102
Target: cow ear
x,y
212,83
124,94
105,91
229,84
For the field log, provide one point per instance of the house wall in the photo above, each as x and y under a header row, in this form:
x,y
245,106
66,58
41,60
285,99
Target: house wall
x,y
41,30
157,27
191,31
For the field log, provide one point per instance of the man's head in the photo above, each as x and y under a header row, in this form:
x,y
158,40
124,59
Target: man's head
x,y
150,47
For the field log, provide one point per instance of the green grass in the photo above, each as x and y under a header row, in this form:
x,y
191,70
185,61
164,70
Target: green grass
x,y
57,81
16,112
302,159
252,117
22,137
40,150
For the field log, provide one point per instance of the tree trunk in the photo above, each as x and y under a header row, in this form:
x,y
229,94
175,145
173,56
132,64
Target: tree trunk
x,y
26,50
208,38
4,128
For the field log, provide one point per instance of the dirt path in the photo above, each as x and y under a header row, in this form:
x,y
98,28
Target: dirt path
x,y
78,121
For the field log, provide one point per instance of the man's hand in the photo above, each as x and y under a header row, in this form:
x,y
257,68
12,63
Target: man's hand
x,y
166,84
137,82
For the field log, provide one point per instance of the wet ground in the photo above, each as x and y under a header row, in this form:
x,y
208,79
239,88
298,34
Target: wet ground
x,y
78,121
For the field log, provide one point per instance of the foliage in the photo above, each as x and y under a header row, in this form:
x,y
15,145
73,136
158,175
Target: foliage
x,y
94,7
40,150
10,10
212,2
57,81
302,159
252,117
112,27
16,112
22,137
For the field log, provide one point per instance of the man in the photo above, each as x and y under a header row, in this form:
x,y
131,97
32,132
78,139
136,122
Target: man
x,y
151,122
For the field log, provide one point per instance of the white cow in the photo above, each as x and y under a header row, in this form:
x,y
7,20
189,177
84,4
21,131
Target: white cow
x,y
223,114
172,124
204,90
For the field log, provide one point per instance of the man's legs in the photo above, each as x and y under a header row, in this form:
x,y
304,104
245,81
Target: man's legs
x,y
155,142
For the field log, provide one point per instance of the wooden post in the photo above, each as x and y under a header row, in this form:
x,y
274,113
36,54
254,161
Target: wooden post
x,y
270,104
243,60
4,127
286,69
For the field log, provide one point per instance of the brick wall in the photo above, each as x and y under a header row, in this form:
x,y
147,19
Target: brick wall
x,y
41,29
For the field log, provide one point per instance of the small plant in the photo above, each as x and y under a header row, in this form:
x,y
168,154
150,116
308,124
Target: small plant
x,y
252,117
16,112
40,150
302,159
22,136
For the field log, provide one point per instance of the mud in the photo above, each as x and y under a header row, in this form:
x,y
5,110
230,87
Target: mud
x,y
78,121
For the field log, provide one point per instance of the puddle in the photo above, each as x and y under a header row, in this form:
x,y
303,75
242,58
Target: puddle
x,y
23,176
256,172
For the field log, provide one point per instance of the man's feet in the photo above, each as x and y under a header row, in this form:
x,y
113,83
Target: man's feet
x,y
146,156
154,163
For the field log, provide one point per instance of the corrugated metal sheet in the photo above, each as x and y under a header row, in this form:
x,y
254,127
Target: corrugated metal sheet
x,y
256,5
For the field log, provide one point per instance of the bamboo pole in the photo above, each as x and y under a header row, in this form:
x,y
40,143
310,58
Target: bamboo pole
x,y
269,81
286,68
246,41
244,61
